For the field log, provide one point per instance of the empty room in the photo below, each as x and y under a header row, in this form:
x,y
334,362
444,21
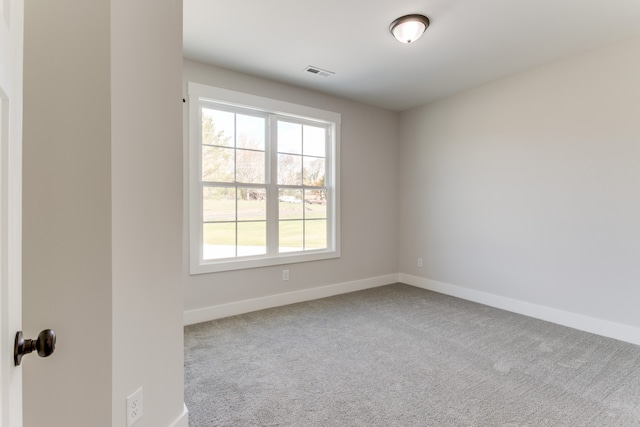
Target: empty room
x,y
412,213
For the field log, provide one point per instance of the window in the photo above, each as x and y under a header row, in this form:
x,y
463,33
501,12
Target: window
x,y
263,181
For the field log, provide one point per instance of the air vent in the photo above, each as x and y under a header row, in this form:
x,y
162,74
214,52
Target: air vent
x,y
319,71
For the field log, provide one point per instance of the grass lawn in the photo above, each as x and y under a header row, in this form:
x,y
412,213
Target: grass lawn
x,y
252,228
225,210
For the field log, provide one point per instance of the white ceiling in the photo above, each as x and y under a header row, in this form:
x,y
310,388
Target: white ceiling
x,y
469,42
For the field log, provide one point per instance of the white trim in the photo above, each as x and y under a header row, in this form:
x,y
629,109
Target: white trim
x,y
238,100
231,309
215,266
182,420
246,100
581,322
573,320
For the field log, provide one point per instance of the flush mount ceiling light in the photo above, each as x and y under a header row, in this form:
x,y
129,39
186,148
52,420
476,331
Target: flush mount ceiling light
x,y
409,28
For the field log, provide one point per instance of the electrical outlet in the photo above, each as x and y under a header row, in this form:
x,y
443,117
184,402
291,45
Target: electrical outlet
x,y
134,407
285,275
419,262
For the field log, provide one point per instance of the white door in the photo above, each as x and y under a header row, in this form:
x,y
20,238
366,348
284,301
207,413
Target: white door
x,y
11,36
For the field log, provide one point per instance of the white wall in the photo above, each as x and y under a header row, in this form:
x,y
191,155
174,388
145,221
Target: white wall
x,y
529,188
369,182
146,171
102,210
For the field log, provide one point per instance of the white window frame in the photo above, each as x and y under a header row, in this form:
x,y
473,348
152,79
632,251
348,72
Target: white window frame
x,y
198,265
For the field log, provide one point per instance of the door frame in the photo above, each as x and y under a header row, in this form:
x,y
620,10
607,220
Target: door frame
x,y
11,64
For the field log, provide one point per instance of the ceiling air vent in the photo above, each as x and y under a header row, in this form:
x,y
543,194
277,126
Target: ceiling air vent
x,y
319,71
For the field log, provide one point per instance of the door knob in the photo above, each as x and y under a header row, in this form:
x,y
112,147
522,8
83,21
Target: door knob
x,y
45,345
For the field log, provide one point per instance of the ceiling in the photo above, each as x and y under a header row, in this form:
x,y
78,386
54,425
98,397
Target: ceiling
x,y
469,42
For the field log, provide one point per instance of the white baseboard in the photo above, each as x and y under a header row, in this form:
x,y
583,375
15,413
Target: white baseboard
x,y
231,309
182,420
577,321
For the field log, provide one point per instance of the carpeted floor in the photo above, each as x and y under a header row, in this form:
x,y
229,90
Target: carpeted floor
x,y
402,356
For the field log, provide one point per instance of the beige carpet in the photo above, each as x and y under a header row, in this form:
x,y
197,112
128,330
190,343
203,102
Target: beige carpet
x,y
402,356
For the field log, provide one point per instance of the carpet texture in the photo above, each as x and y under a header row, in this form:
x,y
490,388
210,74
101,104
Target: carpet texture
x,y
403,356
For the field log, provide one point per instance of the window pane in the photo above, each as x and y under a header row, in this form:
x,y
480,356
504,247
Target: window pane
x,y
250,167
289,169
219,240
315,204
290,204
217,127
291,236
314,171
314,141
251,132
266,181
315,234
289,138
252,204
218,204
252,238
217,164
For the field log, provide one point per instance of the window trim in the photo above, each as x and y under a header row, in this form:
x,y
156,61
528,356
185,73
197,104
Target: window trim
x,y
196,92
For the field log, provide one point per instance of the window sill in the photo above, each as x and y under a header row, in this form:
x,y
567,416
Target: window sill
x,y
216,266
